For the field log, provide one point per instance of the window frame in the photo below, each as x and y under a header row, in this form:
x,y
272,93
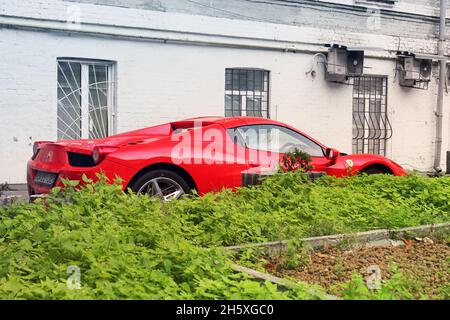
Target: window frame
x,y
371,124
245,94
84,93
377,3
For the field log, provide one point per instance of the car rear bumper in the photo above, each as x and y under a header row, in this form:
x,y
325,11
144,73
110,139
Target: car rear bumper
x,y
110,169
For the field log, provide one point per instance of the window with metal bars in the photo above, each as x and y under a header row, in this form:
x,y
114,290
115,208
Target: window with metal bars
x,y
246,92
371,126
85,98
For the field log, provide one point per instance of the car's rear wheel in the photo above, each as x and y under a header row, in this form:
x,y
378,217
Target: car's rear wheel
x,y
164,184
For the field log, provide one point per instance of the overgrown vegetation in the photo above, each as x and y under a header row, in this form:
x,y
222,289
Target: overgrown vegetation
x,y
418,268
295,160
135,247
287,206
398,287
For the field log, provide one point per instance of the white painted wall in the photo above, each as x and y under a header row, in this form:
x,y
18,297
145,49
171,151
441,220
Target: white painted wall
x,y
155,83
159,82
413,120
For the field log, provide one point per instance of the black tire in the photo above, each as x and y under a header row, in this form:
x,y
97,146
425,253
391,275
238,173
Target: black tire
x,y
159,173
374,171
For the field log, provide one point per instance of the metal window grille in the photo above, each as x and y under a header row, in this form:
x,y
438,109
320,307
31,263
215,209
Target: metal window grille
x,y
371,126
86,99
246,92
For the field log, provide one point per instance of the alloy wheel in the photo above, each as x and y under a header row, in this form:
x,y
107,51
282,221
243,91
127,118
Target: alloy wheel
x,y
162,187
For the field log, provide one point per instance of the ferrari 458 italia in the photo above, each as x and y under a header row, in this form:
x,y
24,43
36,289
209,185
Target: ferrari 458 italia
x,y
203,154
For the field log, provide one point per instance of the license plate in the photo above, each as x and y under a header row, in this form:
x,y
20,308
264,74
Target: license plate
x,y
45,178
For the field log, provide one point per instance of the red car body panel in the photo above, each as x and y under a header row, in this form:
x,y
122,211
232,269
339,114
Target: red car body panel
x,y
133,152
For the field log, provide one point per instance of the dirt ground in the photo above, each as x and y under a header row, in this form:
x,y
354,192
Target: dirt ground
x,y
427,262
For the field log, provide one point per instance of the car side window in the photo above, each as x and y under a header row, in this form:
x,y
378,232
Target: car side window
x,y
274,138
236,137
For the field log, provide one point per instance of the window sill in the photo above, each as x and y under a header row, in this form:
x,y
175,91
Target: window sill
x,y
378,4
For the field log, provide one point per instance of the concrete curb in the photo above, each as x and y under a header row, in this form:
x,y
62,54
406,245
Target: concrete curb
x,y
419,231
283,283
359,237
381,237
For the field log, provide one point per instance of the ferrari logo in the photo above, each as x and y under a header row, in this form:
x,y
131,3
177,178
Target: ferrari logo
x,y
48,156
349,163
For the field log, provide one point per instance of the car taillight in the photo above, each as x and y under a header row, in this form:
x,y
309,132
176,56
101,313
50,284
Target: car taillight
x,y
99,153
35,148
96,155
37,145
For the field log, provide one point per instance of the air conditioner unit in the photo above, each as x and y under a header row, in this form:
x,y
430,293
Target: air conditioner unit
x,y
355,62
415,70
342,63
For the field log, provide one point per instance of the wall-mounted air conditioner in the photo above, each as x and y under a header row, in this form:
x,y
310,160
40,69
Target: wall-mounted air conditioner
x,y
413,70
343,63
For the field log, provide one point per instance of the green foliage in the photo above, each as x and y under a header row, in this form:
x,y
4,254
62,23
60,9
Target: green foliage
x,y
131,247
288,206
296,160
397,287
126,246
296,254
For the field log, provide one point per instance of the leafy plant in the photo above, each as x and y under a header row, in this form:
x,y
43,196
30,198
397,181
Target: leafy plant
x,y
286,206
125,246
296,160
398,287
295,254
131,247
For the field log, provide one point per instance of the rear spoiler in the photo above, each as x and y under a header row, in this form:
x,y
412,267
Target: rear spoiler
x,y
39,144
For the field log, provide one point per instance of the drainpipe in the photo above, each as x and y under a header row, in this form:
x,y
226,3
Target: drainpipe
x,y
440,99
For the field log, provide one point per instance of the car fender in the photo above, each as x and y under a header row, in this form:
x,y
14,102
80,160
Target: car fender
x,y
356,163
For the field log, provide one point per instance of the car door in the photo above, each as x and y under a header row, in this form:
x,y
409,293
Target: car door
x,y
217,162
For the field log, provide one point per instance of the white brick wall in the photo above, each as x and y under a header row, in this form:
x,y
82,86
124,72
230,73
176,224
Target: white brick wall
x,y
160,82
312,33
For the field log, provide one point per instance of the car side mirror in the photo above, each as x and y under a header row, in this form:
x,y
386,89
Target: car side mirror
x,y
331,154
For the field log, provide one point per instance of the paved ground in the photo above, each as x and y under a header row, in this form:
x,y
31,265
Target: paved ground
x,y
13,192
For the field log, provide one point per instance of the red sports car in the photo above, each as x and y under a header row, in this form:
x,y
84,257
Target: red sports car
x,y
205,154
